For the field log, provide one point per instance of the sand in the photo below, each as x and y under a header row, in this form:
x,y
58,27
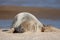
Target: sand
x,y
30,36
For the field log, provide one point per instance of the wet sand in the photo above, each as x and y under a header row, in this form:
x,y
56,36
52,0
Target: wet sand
x,y
8,12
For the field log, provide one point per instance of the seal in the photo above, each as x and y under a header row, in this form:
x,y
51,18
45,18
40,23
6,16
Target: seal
x,y
24,22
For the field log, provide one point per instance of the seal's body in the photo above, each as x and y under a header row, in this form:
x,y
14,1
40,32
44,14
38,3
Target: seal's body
x,y
25,21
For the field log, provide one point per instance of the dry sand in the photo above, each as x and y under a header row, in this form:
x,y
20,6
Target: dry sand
x,y
30,36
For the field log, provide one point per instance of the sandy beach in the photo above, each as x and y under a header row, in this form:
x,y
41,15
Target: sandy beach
x,y
8,12
30,36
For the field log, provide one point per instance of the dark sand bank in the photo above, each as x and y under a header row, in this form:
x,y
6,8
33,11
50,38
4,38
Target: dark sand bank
x,y
8,12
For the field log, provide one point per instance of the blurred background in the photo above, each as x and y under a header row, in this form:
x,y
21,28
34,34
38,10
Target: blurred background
x,y
47,11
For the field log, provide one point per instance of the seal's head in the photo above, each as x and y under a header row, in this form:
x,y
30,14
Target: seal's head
x,y
18,30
